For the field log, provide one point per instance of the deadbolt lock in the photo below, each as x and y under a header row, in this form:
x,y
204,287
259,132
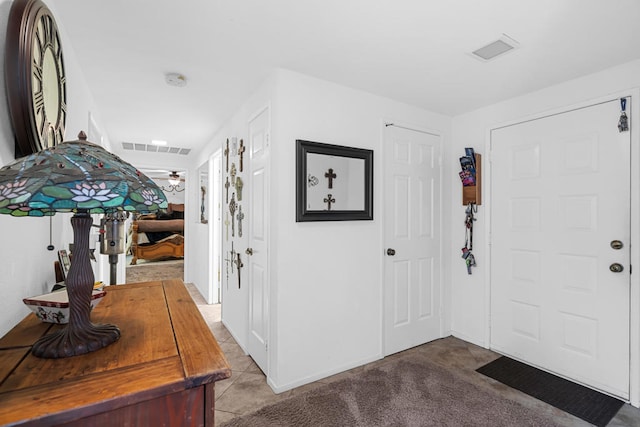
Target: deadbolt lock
x,y
616,244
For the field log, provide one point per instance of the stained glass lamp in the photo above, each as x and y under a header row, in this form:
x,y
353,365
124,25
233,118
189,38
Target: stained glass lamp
x,y
83,178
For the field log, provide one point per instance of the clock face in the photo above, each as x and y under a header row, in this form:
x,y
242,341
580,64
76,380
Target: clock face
x,y
48,84
35,77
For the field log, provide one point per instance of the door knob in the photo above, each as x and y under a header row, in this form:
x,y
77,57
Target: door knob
x,y
391,252
616,268
249,251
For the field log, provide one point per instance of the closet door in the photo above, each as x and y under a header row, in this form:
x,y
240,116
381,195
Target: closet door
x,y
412,238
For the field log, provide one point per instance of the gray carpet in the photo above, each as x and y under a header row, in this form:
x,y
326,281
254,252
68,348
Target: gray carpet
x,y
398,393
160,270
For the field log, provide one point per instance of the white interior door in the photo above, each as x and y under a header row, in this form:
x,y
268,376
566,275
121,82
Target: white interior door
x,y
257,257
560,196
412,238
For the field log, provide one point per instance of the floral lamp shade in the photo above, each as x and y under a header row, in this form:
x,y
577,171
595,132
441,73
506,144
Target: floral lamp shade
x,y
83,178
75,176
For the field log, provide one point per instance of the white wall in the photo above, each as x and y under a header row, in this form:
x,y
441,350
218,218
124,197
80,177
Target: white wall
x,y
26,268
326,279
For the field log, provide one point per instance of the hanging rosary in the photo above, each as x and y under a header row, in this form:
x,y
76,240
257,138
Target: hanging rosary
x,y
468,257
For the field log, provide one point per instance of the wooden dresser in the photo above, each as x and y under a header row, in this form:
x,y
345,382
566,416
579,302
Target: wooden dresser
x,y
161,372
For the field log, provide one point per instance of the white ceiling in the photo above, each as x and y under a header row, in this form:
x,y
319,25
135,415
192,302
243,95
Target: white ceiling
x,y
414,51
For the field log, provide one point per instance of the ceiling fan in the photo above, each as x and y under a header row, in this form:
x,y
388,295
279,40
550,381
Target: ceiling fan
x,y
175,178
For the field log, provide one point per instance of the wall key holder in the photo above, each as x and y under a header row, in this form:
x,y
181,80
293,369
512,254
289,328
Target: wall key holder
x,y
473,193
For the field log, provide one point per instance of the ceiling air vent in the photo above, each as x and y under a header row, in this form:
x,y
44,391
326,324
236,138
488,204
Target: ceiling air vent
x,y
155,148
494,49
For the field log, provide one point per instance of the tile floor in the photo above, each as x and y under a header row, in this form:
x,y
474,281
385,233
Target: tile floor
x,y
247,390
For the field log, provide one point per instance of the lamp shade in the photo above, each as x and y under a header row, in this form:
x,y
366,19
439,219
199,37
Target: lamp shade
x,y
84,178
76,176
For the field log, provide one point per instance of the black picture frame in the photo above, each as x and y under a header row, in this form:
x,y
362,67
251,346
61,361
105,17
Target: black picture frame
x,y
304,211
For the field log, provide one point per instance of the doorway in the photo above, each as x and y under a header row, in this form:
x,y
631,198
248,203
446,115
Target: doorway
x,y
412,236
162,256
560,245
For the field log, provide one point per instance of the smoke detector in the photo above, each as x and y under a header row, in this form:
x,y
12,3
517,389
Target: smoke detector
x,y
495,49
175,79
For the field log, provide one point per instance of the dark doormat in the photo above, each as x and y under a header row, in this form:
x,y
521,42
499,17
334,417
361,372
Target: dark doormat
x,y
592,406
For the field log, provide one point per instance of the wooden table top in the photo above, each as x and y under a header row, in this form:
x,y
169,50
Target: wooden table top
x,y
165,346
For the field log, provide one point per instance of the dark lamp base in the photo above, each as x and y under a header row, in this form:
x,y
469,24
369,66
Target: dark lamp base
x,y
80,336
75,341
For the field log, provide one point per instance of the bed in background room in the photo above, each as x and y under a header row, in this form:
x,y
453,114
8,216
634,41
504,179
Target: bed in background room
x,y
158,236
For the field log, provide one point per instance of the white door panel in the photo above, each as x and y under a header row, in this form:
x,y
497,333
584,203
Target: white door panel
x,y
257,255
412,213
560,195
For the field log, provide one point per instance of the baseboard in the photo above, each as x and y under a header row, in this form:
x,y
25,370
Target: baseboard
x,y
234,336
469,339
319,376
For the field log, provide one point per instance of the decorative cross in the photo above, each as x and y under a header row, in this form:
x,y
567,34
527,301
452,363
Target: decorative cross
x,y
330,176
328,200
226,155
228,262
239,265
239,185
234,146
231,260
232,209
226,225
203,219
240,217
241,150
233,174
226,188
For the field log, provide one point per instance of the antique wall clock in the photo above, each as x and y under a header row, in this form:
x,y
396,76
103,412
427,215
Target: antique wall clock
x,y
35,77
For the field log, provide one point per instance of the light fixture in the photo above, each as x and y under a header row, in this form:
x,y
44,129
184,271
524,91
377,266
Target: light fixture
x,y
174,183
174,178
83,178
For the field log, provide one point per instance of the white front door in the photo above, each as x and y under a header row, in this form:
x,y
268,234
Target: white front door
x,y
257,257
560,200
412,238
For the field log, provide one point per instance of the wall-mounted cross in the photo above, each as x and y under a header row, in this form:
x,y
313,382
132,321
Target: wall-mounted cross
x,y
226,155
239,185
239,265
330,176
203,218
232,210
241,150
233,174
240,217
226,188
328,200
